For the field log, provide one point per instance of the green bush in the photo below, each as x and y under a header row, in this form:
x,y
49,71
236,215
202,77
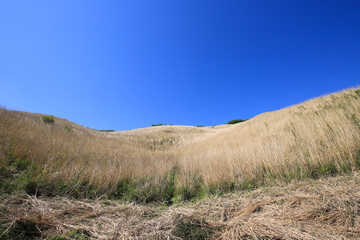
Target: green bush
x,y
68,128
236,121
155,125
48,119
357,92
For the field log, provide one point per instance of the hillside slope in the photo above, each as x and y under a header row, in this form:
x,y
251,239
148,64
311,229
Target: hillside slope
x,y
172,163
287,174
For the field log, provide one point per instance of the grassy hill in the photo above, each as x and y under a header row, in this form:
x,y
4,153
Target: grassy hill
x,y
170,164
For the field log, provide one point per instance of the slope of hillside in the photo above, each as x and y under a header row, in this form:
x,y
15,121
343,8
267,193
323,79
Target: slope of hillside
x,y
61,180
317,138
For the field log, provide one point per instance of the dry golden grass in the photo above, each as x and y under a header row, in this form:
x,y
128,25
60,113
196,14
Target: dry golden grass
x,y
304,142
312,209
283,143
318,137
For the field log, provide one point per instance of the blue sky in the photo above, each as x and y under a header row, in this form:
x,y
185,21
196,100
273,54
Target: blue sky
x,y
128,64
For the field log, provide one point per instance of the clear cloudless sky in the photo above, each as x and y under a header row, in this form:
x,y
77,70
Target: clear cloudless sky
x,y
125,64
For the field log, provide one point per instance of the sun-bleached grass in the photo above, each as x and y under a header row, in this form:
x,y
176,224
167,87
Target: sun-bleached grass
x,y
315,138
312,209
318,137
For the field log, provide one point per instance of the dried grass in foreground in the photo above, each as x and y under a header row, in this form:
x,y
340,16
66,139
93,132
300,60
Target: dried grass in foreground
x,y
313,209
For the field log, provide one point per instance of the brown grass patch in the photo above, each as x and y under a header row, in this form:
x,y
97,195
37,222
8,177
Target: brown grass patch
x,y
312,209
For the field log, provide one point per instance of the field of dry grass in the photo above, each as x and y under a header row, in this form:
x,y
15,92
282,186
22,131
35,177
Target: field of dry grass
x,y
312,209
169,164
315,138
321,134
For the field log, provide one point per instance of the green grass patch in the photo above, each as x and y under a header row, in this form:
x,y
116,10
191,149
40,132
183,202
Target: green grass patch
x,y
194,188
193,228
48,119
21,164
236,121
22,229
317,170
147,190
77,234
357,92
68,128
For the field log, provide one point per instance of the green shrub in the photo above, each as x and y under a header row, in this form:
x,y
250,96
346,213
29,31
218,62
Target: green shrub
x,y
357,92
155,125
236,121
48,119
200,125
68,128
106,130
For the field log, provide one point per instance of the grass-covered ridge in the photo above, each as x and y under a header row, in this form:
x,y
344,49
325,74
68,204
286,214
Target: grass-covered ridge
x,y
168,164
